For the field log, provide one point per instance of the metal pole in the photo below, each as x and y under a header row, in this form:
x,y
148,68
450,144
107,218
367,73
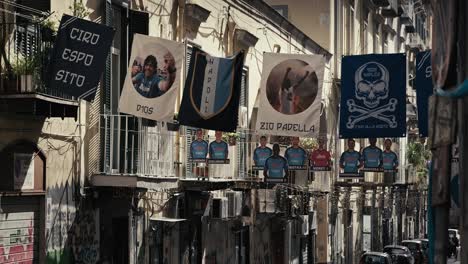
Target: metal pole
x,y
441,209
463,131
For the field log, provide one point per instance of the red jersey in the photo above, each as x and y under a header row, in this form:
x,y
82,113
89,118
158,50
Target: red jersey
x,y
320,158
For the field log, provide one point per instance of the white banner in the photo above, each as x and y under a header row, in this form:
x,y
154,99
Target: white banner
x,y
290,95
153,78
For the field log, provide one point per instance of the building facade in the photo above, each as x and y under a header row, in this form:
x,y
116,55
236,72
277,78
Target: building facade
x,y
382,210
88,184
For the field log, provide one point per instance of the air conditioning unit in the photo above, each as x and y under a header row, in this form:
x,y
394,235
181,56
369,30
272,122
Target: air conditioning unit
x,y
238,197
231,204
266,199
220,208
234,203
243,117
302,225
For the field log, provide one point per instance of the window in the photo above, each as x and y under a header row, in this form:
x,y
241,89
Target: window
x,y
365,37
376,38
385,42
242,153
348,26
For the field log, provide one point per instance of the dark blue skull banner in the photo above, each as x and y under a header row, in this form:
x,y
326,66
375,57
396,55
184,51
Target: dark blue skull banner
x,y
373,96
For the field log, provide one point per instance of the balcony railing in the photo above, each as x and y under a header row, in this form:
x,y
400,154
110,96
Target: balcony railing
x,y
132,148
25,55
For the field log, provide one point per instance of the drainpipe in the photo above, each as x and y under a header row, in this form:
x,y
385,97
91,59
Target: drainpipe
x,y
181,37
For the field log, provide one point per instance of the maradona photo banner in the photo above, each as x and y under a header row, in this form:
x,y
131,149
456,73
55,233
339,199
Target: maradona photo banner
x,y
290,95
373,92
152,82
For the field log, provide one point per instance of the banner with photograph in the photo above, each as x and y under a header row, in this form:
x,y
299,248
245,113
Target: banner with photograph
x,y
290,94
79,57
152,82
424,88
373,93
212,92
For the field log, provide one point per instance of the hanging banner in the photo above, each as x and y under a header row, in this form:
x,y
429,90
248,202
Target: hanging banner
x,y
212,91
290,94
424,88
152,84
373,92
79,57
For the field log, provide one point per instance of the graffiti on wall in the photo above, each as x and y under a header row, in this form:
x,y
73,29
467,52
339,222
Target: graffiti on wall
x,y
85,239
17,240
262,240
59,220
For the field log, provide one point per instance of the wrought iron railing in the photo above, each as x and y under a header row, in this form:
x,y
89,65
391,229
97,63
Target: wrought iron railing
x,y
25,50
135,147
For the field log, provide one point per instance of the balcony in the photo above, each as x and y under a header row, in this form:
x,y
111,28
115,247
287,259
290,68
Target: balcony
x,y
150,152
135,154
25,54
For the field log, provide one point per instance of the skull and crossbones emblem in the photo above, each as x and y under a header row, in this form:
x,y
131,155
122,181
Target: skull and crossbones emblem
x,y
371,80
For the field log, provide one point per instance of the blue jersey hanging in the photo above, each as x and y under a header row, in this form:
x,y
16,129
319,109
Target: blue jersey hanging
x,y
199,149
390,160
372,157
296,156
219,150
350,161
261,154
276,167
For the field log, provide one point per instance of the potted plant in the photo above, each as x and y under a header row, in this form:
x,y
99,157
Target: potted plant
x,y
231,138
7,83
48,30
24,68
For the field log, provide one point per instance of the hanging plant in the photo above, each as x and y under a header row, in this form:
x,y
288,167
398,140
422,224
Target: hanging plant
x,y
231,138
79,10
418,156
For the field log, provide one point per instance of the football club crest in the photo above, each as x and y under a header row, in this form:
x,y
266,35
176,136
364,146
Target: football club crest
x,y
212,91
211,95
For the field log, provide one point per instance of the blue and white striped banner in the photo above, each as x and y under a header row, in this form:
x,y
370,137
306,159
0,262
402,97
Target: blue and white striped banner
x,y
212,91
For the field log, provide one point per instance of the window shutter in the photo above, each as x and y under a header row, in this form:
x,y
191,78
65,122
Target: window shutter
x,y
189,131
138,23
242,153
26,39
105,138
